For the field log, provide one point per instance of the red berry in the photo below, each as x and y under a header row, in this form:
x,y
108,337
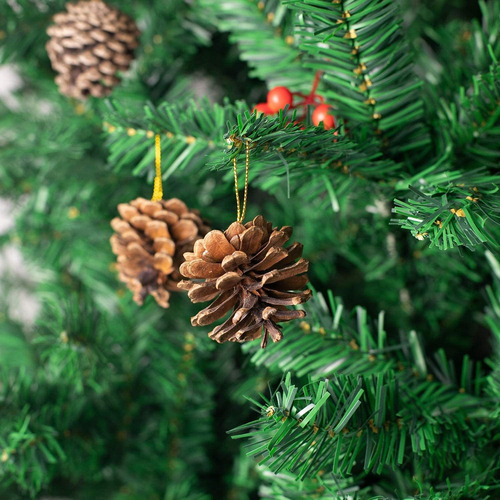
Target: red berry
x,y
321,115
278,98
299,122
262,107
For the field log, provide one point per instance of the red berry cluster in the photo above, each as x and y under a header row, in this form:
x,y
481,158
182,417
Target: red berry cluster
x,y
279,97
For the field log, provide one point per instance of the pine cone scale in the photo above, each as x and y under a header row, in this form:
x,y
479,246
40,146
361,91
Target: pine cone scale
x,y
235,229
163,262
170,218
287,272
230,329
164,245
156,229
277,239
217,245
200,292
272,257
200,268
281,316
295,299
216,310
235,260
273,331
292,283
228,280
245,308
184,230
294,253
251,240
248,334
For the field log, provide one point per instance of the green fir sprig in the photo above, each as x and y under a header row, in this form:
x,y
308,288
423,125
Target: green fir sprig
x,y
455,214
264,34
383,407
367,65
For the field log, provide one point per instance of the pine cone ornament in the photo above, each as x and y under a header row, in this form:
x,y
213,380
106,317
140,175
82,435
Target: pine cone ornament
x,y
247,269
151,238
89,44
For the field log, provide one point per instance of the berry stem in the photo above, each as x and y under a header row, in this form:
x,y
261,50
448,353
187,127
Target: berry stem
x,y
316,82
312,97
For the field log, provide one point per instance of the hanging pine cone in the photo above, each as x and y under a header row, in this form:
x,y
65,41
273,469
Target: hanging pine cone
x,y
248,270
151,238
89,44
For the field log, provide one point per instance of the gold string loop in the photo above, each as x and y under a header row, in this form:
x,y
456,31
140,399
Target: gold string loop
x,y
157,188
240,213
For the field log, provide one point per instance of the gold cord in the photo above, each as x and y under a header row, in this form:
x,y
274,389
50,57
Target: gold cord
x,y
240,214
157,189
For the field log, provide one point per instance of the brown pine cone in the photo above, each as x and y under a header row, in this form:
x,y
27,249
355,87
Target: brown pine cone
x,y
249,271
89,44
151,238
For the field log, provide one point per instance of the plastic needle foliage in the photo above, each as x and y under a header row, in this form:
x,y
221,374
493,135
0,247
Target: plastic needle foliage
x,y
390,386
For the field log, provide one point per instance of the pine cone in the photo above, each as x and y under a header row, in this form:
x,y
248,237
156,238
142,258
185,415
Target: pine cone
x,y
151,238
248,270
89,44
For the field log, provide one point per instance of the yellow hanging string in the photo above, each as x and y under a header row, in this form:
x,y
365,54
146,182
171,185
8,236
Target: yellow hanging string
x,y
157,189
240,214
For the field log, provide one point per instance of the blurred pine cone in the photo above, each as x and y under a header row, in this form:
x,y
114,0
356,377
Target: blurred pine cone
x,y
89,44
248,270
151,238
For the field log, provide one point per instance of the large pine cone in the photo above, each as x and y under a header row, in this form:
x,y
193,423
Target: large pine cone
x,y
246,268
151,238
89,44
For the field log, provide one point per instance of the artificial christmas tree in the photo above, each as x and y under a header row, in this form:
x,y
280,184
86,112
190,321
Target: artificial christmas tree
x,y
389,387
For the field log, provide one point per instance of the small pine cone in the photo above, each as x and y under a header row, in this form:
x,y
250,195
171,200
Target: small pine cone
x,y
88,45
151,238
247,269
